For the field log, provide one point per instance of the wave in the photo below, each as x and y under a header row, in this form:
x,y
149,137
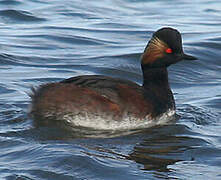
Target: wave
x,y
18,15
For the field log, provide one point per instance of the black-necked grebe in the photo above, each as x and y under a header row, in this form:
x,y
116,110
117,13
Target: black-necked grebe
x,y
103,102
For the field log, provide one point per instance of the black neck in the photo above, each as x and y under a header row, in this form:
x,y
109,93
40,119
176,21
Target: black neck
x,y
155,77
155,82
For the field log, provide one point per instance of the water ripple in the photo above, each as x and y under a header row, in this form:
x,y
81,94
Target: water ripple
x,y
11,2
19,16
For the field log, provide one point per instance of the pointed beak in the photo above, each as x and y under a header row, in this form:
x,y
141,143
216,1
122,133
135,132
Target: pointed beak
x,y
188,57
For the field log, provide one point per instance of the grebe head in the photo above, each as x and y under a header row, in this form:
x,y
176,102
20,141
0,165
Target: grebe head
x,y
164,48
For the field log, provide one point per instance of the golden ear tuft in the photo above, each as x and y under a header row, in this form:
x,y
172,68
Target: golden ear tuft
x,y
155,49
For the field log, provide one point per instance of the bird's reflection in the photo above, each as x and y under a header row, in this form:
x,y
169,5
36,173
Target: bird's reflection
x,y
158,153
154,148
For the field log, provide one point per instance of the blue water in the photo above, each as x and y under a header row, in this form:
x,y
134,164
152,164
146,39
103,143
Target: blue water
x,y
47,41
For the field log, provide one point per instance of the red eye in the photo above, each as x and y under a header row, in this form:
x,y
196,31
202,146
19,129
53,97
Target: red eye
x,y
168,50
